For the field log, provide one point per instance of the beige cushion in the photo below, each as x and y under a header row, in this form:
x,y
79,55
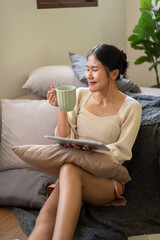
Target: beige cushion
x,y
40,79
49,158
24,122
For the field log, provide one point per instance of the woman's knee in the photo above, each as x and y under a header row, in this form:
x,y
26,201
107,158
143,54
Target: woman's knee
x,y
69,170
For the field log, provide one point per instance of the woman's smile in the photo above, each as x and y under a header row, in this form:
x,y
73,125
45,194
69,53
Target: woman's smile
x,y
91,82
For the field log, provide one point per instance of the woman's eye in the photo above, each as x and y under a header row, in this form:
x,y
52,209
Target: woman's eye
x,y
92,70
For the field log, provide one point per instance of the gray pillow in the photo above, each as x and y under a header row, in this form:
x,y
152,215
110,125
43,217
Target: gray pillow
x,y
79,67
24,187
126,85
40,79
79,64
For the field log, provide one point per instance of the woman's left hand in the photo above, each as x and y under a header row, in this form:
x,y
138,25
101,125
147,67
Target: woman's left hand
x,y
84,147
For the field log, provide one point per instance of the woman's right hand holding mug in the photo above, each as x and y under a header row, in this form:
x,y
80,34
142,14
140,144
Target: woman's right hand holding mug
x,y
52,96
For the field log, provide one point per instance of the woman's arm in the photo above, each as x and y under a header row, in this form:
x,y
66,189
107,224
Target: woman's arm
x,y
121,150
67,122
63,128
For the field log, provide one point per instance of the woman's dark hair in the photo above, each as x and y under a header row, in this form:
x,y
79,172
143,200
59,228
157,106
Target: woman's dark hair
x,y
111,57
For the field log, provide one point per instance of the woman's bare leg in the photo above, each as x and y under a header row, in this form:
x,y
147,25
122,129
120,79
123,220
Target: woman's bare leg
x,y
76,184
45,222
70,202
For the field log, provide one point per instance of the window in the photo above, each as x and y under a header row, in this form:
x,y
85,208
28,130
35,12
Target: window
x,y
66,3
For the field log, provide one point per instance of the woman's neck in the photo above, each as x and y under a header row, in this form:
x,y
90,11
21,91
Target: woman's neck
x,y
110,96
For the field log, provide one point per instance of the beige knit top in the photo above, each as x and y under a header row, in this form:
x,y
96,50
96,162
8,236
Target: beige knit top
x,y
118,132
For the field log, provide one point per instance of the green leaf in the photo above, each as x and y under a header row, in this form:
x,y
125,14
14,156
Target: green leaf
x,y
132,37
137,47
156,38
137,44
158,12
157,33
136,29
155,50
156,2
142,33
146,26
142,60
146,21
157,19
146,4
154,65
142,44
147,11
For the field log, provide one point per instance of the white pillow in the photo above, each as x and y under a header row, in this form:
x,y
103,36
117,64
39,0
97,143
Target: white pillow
x,y
40,79
24,122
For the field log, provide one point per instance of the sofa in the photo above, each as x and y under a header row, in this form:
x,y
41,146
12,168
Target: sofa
x,y
27,119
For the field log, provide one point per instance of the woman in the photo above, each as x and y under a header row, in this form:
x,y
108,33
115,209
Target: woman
x,y
105,114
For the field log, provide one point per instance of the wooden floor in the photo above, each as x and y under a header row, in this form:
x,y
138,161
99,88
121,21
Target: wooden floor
x,y
9,227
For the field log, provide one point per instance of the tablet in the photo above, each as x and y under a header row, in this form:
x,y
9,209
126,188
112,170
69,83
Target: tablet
x,y
79,142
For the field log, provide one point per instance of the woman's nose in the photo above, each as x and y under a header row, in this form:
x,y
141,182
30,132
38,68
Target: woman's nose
x,y
89,74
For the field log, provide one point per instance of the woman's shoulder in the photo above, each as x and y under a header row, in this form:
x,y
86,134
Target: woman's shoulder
x,y
82,90
130,101
82,94
130,105
131,110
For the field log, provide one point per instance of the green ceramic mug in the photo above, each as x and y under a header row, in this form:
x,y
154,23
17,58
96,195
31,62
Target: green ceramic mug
x,y
66,97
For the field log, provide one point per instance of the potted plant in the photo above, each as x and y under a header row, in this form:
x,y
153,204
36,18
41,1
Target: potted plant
x,y
146,35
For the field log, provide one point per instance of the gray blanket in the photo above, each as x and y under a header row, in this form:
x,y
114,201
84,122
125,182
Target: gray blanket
x,y
141,214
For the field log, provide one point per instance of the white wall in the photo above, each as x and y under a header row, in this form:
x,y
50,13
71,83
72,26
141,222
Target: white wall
x,y
32,38
138,73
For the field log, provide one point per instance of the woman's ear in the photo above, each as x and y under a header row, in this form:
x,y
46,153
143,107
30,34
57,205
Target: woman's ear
x,y
114,74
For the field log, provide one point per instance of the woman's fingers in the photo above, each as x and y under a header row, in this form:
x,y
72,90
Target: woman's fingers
x,y
75,146
87,148
52,97
72,145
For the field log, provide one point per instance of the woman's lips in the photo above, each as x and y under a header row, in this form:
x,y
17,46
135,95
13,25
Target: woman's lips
x,y
92,83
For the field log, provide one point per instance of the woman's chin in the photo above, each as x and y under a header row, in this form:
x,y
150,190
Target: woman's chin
x,y
92,86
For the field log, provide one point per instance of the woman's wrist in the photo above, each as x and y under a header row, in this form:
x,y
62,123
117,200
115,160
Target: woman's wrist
x,y
63,128
61,112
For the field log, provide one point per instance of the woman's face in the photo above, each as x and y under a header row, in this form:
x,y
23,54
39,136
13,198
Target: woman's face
x,y
96,75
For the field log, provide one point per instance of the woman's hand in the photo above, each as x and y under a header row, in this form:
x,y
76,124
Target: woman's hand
x,y
84,147
52,97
